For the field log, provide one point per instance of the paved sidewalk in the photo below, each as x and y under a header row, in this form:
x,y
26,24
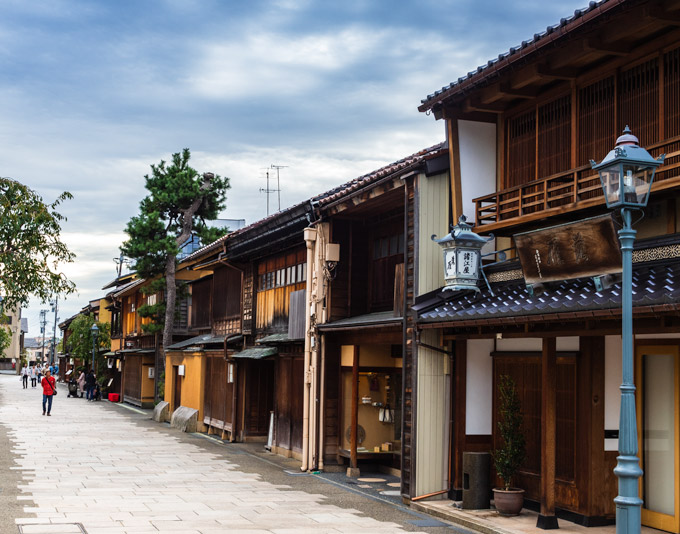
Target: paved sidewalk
x,y
90,467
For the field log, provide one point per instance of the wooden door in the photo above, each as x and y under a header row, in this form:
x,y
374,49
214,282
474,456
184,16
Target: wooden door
x,y
657,380
177,389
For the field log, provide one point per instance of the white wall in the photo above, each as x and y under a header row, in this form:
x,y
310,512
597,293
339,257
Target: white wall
x,y
612,381
478,390
477,162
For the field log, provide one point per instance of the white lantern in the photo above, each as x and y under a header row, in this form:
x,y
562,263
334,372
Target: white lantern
x,y
462,256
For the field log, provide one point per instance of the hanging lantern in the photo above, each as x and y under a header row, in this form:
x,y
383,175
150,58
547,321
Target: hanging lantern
x,y
462,256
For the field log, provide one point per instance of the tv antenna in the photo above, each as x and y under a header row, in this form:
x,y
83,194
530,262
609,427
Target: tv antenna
x,y
278,181
267,190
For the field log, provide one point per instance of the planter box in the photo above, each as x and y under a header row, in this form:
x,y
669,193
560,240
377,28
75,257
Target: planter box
x,y
114,397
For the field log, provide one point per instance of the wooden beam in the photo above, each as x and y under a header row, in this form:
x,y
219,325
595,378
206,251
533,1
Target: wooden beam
x,y
615,49
459,382
355,412
454,169
498,91
475,104
547,519
657,12
565,73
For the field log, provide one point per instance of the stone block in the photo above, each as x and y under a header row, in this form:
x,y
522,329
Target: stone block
x,y
161,413
476,480
185,419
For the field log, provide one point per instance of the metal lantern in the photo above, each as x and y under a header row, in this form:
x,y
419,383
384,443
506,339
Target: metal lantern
x,y
627,173
462,256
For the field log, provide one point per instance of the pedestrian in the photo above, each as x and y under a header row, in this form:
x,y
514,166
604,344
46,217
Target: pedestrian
x,y
24,376
39,370
81,383
90,382
34,376
49,385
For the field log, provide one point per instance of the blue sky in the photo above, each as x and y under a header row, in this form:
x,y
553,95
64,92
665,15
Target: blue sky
x,y
93,92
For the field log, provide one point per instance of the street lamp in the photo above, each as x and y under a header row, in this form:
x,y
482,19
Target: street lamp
x,y
95,334
462,250
626,174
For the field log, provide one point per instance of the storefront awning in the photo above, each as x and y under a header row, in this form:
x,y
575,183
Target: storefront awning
x,y
203,339
256,353
369,320
277,338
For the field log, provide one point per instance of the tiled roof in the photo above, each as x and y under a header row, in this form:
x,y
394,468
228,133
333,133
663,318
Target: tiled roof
x,y
656,284
564,26
330,195
362,181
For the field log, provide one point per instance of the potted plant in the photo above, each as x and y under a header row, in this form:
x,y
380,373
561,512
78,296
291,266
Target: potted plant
x,y
509,456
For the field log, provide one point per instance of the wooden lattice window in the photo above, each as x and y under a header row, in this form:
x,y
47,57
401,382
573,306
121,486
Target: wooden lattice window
x,y
596,120
521,149
639,101
554,137
671,92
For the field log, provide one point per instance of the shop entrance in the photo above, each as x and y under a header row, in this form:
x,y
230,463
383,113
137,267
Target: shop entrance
x,y
657,372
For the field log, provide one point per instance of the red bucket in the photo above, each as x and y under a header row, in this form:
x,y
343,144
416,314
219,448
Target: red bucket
x,y
114,397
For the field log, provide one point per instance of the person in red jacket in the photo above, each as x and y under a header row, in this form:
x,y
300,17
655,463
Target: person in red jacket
x,y
49,385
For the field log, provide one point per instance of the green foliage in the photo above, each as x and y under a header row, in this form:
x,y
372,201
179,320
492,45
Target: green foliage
x,y
30,246
509,457
79,342
169,210
161,386
5,339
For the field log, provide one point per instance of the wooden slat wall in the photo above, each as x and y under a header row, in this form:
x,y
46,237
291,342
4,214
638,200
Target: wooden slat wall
x,y
200,303
248,298
638,101
671,93
133,379
554,136
521,147
259,397
217,405
226,301
596,120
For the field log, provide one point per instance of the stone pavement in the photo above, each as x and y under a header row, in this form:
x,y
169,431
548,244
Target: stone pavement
x,y
91,467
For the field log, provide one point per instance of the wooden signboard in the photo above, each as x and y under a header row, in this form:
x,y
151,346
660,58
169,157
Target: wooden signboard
x,y
585,248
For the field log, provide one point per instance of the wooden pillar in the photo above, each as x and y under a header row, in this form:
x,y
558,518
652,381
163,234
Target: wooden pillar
x,y
459,382
547,519
353,470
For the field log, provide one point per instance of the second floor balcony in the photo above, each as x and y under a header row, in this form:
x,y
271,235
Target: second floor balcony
x,y
560,195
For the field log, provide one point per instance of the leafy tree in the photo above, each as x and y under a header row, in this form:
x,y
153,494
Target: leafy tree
x,y
30,246
79,342
5,338
179,203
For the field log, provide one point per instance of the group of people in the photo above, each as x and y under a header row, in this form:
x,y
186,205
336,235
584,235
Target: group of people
x,y
46,376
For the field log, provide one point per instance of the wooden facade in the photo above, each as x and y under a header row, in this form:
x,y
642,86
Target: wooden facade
x,y
553,108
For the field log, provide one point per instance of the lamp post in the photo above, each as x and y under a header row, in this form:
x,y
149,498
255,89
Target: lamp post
x,y
462,250
94,329
626,174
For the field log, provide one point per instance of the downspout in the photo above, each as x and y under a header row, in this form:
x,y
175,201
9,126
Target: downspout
x,y
323,396
310,238
404,336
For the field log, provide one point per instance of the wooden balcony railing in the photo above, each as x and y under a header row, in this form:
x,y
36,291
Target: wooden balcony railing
x,y
571,190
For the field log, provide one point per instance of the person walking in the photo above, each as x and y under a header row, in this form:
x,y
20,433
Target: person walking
x,y
34,376
90,382
24,376
81,383
49,385
38,369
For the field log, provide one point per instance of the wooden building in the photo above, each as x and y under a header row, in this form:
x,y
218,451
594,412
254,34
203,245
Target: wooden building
x,y
521,132
363,246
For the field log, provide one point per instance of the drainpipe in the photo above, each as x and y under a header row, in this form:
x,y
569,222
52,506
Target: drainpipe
x,y
310,239
322,387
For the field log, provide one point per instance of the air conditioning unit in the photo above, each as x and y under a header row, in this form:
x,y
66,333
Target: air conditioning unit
x,y
129,344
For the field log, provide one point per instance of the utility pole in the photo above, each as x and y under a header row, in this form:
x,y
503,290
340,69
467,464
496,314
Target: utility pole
x,y
278,181
43,324
55,306
119,261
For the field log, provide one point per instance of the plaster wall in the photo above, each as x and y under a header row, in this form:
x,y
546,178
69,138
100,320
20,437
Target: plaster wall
x,y
477,162
193,381
479,384
612,381
535,344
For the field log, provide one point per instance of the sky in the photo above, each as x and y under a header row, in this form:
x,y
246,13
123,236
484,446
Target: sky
x,y
92,92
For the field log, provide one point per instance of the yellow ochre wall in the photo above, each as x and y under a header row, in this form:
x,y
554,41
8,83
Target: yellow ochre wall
x,y
193,382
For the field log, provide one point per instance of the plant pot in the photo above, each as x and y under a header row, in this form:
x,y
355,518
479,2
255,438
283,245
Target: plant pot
x,y
508,502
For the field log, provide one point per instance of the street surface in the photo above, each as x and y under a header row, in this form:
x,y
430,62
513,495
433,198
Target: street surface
x,y
100,468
